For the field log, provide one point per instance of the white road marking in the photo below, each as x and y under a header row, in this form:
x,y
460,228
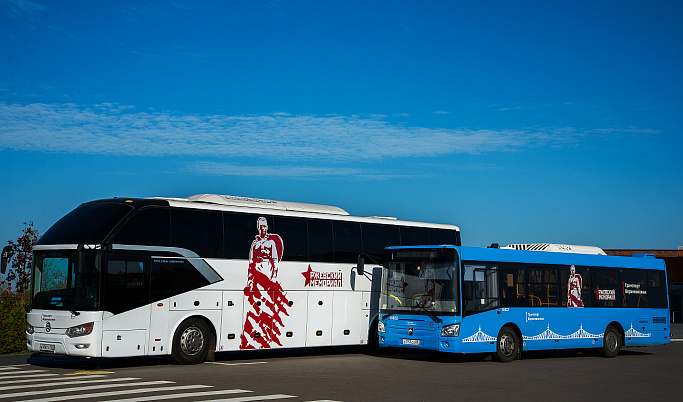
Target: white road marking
x,y
183,395
238,364
97,395
64,381
85,388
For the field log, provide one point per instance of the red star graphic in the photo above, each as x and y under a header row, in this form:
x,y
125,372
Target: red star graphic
x,y
307,275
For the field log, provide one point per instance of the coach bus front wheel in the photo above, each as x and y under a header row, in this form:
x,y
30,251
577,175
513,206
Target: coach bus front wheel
x,y
191,342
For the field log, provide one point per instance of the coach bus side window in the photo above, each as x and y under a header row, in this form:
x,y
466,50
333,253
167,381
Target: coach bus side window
x,y
198,231
412,236
148,227
441,236
173,276
634,284
377,237
125,286
347,241
240,231
320,244
294,236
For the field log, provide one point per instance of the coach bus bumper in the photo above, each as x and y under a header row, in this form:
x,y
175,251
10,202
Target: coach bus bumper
x,y
61,332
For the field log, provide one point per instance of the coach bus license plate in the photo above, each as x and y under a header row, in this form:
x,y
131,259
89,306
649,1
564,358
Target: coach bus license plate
x,y
46,347
411,342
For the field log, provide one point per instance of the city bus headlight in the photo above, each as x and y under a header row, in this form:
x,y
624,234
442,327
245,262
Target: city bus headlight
x,y
380,327
451,330
80,330
29,329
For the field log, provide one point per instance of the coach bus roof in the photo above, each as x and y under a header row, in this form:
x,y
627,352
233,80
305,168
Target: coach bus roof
x,y
233,201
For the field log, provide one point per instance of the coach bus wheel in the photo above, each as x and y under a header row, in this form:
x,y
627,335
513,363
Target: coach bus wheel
x,y
611,342
507,347
191,342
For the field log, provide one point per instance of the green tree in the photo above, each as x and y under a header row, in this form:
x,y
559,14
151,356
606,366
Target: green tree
x,y
19,269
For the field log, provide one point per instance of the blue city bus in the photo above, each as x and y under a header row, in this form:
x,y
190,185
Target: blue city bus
x,y
506,301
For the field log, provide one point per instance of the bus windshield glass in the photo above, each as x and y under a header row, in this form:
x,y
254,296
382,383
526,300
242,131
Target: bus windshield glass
x,y
88,224
420,281
60,282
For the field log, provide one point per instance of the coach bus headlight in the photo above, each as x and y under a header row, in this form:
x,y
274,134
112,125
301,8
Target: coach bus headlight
x,y
451,330
29,328
79,330
380,327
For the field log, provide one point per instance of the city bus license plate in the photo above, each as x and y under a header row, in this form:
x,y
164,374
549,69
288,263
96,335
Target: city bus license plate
x,y
46,347
415,342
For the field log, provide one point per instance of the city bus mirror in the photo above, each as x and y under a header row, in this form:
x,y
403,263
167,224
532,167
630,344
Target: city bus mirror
x,y
468,290
360,265
6,255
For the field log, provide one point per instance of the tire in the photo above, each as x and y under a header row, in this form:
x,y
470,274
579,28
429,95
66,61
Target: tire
x,y
611,342
372,347
191,342
507,346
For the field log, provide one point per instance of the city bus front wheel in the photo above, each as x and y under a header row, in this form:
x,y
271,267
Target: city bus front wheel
x,y
191,342
507,347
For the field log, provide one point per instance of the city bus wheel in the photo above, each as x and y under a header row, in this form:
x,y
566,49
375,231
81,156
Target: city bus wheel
x,y
611,342
191,342
507,347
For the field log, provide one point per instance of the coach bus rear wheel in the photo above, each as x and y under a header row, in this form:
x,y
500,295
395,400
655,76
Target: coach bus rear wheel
x,y
507,347
611,343
191,342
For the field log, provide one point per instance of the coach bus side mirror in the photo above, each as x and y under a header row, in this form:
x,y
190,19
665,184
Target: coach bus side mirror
x,y
6,255
360,265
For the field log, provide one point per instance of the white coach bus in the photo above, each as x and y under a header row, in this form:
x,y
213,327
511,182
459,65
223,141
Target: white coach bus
x,y
189,276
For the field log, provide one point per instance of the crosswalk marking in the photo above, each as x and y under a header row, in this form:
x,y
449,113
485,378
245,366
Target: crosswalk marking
x,y
85,388
183,395
21,372
238,364
64,381
254,398
115,393
33,377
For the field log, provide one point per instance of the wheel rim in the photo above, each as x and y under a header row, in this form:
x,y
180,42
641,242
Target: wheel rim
x,y
611,342
507,344
192,341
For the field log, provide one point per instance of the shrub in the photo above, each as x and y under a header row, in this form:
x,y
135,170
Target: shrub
x,y
12,322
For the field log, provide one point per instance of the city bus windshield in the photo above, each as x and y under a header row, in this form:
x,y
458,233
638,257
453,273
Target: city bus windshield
x,y
420,281
60,282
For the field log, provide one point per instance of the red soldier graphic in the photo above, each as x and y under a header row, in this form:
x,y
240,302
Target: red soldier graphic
x,y
574,289
266,300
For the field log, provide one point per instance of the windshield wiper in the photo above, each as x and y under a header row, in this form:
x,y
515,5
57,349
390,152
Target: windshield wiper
x,y
70,308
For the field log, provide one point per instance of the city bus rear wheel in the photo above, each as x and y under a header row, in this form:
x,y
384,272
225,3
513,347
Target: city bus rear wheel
x,y
611,342
507,347
191,342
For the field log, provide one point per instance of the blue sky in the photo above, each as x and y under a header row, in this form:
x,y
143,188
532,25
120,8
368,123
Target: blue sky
x,y
518,121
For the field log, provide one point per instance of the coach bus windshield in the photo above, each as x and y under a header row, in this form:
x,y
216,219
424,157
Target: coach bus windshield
x,y
63,282
420,281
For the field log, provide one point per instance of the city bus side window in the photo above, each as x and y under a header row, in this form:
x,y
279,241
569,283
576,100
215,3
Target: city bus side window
x,y
606,288
544,286
634,284
656,289
513,288
484,278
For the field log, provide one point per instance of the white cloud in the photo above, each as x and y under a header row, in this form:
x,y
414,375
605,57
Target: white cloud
x,y
121,130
